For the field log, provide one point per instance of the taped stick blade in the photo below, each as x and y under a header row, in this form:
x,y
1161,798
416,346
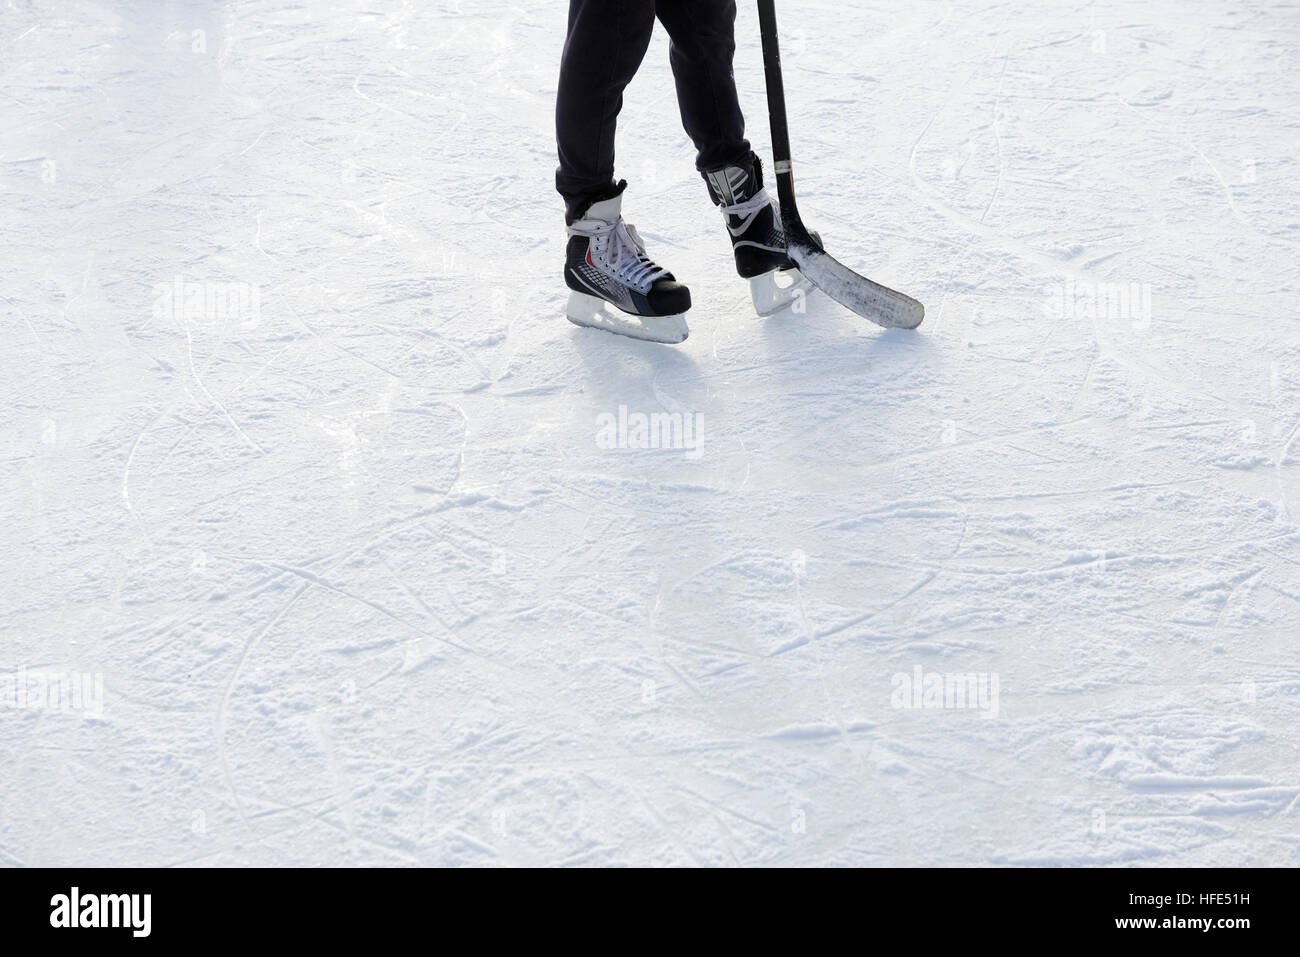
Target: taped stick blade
x,y
869,299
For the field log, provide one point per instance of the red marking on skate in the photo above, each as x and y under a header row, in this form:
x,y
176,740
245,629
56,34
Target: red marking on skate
x,y
589,262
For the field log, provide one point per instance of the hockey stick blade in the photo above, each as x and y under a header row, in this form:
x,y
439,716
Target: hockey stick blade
x,y
870,300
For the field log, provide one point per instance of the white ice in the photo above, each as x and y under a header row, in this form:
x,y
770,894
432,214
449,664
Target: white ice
x,y
344,540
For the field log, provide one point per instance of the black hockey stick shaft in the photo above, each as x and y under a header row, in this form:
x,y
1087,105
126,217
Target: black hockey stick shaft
x,y
882,305
794,227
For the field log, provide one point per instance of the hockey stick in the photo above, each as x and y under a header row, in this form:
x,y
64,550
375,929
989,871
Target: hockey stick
x,y
880,304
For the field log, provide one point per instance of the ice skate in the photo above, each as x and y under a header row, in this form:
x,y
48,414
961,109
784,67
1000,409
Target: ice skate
x,y
757,239
607,266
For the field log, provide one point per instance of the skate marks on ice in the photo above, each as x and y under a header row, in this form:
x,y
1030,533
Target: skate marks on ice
x,y
366,588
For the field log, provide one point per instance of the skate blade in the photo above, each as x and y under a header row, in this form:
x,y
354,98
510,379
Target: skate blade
x,y
777,290
585,310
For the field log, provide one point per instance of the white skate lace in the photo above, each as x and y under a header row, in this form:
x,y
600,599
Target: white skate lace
x,y
760,200
750,208
627,254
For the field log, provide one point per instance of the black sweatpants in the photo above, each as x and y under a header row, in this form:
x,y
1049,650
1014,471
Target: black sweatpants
x,y
606,42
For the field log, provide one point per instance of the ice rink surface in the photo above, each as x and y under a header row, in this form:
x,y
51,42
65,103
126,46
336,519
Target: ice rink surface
x,y
302,465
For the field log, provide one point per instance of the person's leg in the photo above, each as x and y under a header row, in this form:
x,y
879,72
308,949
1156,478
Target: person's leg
x,y
703,34
606,42
703,44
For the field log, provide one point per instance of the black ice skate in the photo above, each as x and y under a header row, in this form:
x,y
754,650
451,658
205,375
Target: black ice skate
x,y
757,239
606,263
